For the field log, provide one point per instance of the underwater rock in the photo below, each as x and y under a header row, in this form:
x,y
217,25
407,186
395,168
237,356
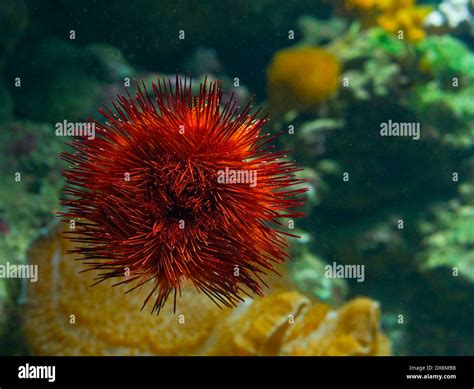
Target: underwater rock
x,y
301,77
64,316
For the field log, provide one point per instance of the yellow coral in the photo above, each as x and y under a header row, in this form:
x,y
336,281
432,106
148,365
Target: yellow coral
x,y
352,330
371,5
64,316
393,16
408,20
301,77
256,328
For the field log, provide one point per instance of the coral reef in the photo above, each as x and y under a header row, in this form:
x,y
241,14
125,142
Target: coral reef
x,y
352,330
373,203
60,86
448,240
408,20
394,16
63,316
29,164
445,100
31,151
30,170
453,16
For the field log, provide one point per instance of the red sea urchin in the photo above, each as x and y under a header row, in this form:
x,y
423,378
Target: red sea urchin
x,y
178,187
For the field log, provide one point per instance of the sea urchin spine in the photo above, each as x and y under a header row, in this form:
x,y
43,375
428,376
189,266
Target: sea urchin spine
x,y
179,188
